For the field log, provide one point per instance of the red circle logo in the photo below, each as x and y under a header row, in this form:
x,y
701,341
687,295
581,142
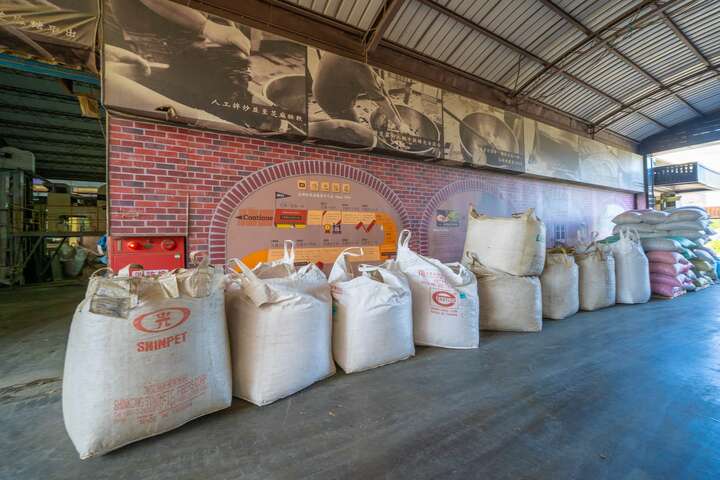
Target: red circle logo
x,y
161,320
444,299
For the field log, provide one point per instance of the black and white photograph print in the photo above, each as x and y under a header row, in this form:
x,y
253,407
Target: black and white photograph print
x,y
355,105
552,152
173,62
54,31
482,135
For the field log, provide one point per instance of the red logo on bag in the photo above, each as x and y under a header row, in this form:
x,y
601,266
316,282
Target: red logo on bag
x,y
161,320
444,299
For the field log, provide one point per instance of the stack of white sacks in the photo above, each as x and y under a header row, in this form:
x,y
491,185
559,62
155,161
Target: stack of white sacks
x,y
682,231
507,254
147,354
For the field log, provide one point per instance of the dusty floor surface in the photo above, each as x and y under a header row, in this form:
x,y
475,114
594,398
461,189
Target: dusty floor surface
x,y
630,392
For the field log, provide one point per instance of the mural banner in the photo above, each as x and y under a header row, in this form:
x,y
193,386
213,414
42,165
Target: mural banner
x,y
53,31
482,135
356,105
556,153
169,61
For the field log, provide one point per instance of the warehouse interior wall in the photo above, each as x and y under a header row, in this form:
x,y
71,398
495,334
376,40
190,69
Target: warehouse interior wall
x,y
168,180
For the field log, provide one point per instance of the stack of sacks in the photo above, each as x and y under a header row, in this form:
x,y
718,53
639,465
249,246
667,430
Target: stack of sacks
x,y
668,273
560,285
632,277
597,276
507,254
706,262
644,222
692,223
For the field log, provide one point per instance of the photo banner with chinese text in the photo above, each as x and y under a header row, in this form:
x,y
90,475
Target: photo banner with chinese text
x,y
53,31
168,61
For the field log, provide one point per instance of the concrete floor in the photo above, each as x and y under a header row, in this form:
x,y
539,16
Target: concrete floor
x,y
630,392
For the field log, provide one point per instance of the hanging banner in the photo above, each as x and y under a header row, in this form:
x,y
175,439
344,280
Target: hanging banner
x,y
167,61
354,104
561,154
481,135
172,62
53,31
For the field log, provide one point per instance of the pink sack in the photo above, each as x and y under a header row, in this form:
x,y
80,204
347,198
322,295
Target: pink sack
x,y
671,269
673,281
667,257
665,290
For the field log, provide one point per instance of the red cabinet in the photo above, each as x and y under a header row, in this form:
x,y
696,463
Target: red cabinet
x,y
155,254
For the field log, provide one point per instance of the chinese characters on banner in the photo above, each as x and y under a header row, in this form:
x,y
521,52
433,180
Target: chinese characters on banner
x,y
55,31
168,61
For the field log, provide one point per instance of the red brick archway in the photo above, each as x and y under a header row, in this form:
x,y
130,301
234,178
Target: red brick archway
x,y
251,183
473,184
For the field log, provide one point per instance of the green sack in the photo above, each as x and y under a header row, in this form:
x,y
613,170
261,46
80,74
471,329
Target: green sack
x,y
610,239
688,254
685,242
702,266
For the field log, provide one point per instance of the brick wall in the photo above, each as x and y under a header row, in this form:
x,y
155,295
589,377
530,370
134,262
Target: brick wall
x,y
160,173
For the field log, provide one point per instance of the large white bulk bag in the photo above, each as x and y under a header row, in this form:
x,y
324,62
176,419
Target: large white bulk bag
x,y
597,278
372,314
560,286
280,329
515,245
445,299
509,303
145,355
632,272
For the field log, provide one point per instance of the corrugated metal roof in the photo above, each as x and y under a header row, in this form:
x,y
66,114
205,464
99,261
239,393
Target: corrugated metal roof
x,y
705,96
642,35
635,126
607,72
657,49
595,14
700,23
358,13
669,111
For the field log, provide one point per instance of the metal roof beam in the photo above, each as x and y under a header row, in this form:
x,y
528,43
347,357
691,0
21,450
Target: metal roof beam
x,y
695,131
599,125
52,141
41,111
574,51
55,153
590,33
480,29
380,24
685,39
36,93
51,129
